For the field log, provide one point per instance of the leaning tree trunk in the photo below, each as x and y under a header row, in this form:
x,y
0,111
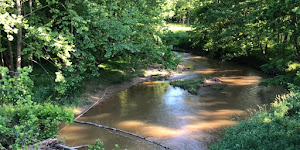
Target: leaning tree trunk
x,y
19,41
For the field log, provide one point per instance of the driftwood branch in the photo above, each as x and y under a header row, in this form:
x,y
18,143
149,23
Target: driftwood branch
x,y
45,144
92,105
125,132
54,144
64,147
79,147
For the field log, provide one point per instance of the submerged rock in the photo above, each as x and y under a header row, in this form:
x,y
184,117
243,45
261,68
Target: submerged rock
x,y
213,81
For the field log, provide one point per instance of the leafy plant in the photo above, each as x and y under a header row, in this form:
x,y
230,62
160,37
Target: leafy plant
x,y
13,88
190,85
99,146
26,123
278,128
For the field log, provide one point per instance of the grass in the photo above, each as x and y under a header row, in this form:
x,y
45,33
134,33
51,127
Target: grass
x,y
190,85
278,128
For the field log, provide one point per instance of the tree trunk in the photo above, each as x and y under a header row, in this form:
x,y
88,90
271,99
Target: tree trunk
x,y
2,60
19,41
2,57
11,57
263,51
297,45
295,33
266,52
188,17
30,6
285,38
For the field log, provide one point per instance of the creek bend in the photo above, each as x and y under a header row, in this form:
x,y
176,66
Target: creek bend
x,y
170,114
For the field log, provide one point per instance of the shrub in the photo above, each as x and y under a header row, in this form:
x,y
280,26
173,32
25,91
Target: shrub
x,y
278,128
26,123
12,88
99,146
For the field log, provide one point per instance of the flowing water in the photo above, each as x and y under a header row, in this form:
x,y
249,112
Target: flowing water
x,y
170,114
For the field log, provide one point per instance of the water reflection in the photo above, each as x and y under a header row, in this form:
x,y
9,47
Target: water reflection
x,y
172,115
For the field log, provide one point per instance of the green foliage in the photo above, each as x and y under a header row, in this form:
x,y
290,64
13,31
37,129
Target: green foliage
x,y
278,128
190,85
176,39
16,87
76,36
249,29
285,70
26,123
99,146
65,42
180,10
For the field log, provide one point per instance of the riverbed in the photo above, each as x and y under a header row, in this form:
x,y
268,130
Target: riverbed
x,y
173,116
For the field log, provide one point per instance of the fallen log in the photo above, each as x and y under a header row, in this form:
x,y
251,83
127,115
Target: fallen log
x,y
125,132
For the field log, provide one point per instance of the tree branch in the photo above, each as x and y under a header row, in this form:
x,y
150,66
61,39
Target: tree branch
x,y
118,130
42,8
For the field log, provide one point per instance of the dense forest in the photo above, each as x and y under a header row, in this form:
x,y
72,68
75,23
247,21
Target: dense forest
x,y
264,34
50,48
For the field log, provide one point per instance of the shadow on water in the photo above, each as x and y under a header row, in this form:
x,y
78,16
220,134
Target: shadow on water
x,y
173,116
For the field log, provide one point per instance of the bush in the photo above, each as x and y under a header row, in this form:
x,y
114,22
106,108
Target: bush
x,y
179,39
12,88
278,128
99,146
26,123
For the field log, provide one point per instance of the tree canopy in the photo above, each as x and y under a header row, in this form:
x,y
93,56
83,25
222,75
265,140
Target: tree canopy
x,y
267,31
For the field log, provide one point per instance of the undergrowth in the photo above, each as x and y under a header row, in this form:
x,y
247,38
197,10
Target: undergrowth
x,y
278,128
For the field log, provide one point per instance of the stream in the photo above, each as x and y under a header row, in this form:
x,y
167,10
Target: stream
x,y
173,116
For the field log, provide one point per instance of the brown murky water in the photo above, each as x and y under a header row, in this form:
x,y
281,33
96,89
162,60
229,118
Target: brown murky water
x,y
173,116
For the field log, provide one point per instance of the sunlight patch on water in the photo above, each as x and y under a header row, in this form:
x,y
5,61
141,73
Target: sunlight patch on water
x,y
213,71
223,113
209,125
241,80
148,129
